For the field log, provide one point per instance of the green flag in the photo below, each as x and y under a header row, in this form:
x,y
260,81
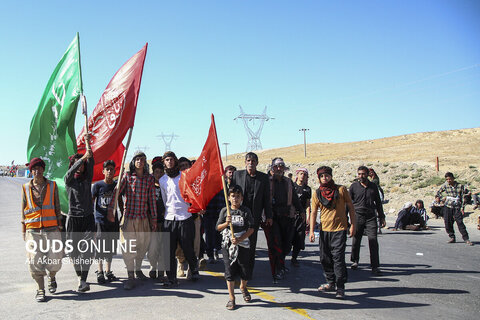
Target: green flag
x,y
52,130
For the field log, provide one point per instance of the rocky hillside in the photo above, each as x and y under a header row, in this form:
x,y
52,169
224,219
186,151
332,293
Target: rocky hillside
x,y
405,164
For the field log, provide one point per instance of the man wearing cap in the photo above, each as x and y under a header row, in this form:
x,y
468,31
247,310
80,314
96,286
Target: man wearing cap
x,y
451,193
285,205
139,216
256,197
332,200
304,193
366,200
178,221
41,223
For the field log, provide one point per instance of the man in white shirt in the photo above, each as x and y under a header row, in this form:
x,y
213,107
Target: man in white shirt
x,y
178,221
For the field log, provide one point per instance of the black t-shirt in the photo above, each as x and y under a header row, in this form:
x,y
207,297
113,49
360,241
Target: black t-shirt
x,y
103,194
160,205
249,191
304,194
280,197
242,218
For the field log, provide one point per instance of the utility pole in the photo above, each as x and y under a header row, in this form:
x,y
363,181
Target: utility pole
x,y
304,140
226,154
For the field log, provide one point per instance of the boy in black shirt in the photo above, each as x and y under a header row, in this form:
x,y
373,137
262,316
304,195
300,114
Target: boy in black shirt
x,y
107,232
240,219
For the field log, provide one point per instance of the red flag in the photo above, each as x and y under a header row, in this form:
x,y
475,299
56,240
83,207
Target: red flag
x,y
199,184
115,113
116,157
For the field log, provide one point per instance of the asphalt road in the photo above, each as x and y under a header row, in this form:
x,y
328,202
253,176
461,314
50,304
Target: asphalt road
x,y
424,277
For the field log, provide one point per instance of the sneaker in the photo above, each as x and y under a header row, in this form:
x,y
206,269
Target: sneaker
x,y
129,284
52,285
202,263
83,287
327,287
139,274
100,277
278,276
354,265
152,274
40,296
195,276
340,294
376,272
170,283
468,242
110,276
452,240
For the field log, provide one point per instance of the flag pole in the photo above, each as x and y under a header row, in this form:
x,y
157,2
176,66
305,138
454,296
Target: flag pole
x,y
224,184
226,202
84,111
117,192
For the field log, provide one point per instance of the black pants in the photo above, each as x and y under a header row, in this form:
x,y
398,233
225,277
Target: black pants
x,y
450,215
80,231
437,211
240,268
298,240
253,247
369,225
213,238
182,232
283,229
332,257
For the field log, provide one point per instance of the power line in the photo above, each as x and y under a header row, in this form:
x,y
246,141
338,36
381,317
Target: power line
x,y
254,142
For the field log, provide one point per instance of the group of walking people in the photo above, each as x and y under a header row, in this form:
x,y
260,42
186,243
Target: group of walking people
x,y
153,215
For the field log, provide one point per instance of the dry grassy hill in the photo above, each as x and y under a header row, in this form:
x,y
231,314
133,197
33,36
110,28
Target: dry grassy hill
x,y
405,164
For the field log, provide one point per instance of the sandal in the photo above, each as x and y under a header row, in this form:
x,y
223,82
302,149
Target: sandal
x,y
110,276
40,296
231,304
52,285
327,287
246,295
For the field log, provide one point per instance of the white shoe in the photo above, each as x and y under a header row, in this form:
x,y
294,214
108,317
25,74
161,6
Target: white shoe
x,y
202,263
180,272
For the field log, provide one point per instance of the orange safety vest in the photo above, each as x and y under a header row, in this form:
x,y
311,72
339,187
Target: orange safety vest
x,y
40,217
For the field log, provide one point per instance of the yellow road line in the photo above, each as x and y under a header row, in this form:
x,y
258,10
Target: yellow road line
x,y
266,296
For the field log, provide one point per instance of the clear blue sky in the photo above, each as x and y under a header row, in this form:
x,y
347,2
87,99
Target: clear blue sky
x,y
348,71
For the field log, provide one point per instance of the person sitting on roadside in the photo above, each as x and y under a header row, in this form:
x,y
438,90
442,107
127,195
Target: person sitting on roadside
x,y
420,210
409,219
436,208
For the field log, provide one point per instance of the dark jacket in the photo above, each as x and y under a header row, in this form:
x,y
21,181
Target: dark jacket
x,y
79,190
261,197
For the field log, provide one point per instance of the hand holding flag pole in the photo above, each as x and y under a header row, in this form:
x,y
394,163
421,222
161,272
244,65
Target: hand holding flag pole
x,y
111,216
226,202
84,111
